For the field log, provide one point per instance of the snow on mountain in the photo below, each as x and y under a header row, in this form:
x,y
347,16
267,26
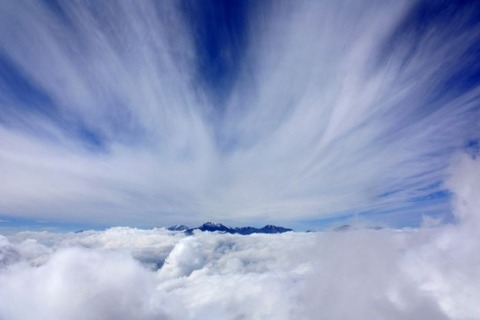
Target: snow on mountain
x,y
218,227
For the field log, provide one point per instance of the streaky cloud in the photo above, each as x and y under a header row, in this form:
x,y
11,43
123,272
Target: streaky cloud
x,y
332,108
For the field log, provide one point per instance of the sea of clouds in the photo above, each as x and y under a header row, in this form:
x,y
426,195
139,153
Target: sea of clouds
x,y
126,273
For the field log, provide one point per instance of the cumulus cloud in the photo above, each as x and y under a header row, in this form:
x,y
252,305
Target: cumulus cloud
x,y
335,107
359,274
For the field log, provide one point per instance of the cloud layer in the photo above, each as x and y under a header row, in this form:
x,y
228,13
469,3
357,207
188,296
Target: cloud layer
x,y
332,107
124,273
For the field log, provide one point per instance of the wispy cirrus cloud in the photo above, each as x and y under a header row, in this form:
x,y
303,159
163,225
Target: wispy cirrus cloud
x,y
111,112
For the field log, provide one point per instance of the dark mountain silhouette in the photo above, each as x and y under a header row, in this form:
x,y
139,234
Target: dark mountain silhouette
x,y
218,227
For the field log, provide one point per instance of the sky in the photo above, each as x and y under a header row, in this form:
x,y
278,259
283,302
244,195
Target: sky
x,y
304,114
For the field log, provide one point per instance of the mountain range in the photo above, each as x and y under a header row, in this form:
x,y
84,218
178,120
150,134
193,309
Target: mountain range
x,y
218,227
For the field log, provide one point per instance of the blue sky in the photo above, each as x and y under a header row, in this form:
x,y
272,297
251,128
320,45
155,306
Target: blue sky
x,y
297,113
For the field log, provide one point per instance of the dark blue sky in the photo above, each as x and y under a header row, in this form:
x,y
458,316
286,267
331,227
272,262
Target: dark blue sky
x,y
220,33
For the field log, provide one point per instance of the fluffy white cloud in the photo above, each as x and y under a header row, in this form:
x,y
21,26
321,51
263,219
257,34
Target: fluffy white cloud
x,y
123,273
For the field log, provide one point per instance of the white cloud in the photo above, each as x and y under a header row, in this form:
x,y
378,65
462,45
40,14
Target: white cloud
x,y
361,274
316,124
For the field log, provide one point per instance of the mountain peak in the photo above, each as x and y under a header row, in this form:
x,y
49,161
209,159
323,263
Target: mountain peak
x,y
178,227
